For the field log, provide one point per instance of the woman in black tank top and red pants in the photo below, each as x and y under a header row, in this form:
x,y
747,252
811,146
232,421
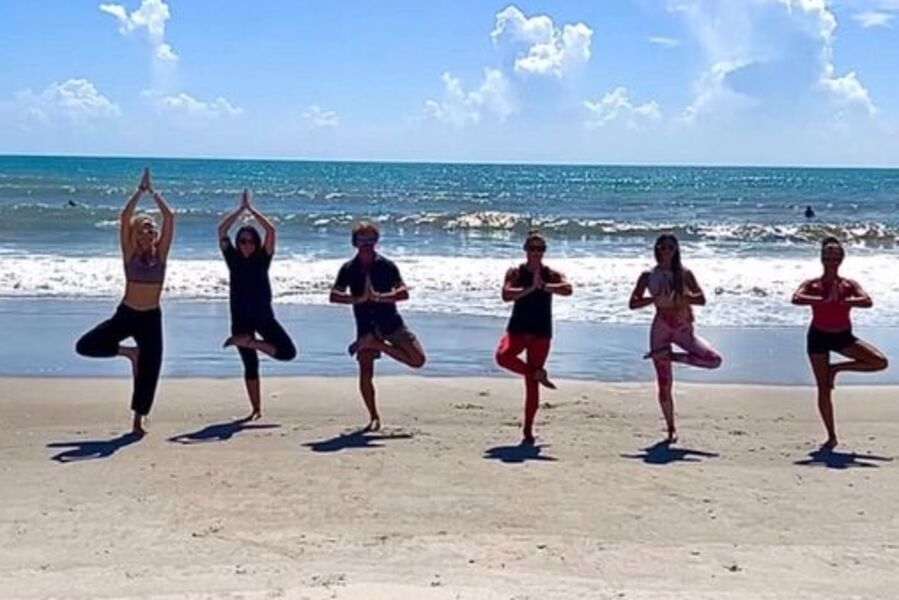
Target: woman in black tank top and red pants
x,y
530,286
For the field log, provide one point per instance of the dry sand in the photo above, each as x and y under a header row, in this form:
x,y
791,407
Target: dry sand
x,y
443,505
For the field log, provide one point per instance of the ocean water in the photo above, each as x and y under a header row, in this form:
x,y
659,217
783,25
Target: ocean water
x,y
454,229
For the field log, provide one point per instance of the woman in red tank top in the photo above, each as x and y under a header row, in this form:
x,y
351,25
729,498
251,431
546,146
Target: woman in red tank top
x,y
831,298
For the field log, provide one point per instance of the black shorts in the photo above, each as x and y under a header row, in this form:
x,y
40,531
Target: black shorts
x,y
822,342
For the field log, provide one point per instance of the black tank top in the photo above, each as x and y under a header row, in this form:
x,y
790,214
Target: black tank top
x,y
533,313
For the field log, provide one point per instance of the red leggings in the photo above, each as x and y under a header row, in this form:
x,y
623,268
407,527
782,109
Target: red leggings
x,y
510,346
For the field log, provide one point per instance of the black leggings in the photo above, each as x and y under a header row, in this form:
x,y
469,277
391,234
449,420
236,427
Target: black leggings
x,y
145,326
270,331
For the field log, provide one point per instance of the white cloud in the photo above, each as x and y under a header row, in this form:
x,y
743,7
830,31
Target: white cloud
x,y
152,16
666,42
767,52
848,91
321,118
714,96
165,53
617,107
550,50
75,100
461,108
873,18
188,106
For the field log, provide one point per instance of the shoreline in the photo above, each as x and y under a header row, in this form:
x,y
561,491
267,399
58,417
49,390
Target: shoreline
x,y
457,346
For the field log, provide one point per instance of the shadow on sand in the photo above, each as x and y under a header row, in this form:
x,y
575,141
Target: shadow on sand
x,y
663,453
523,452
218,432
92,449
354,440
826,457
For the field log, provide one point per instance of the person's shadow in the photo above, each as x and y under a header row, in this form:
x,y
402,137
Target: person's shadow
x,y
827,457
219,432
356,440
92,449
523,452
663,453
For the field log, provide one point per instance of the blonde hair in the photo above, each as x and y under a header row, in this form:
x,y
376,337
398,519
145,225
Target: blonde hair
x,y
137,221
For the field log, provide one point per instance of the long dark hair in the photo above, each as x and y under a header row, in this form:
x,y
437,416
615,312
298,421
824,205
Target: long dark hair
x,y
253,233
676,268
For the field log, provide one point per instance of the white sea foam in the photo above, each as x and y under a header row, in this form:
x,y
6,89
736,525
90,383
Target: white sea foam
x,y
741,291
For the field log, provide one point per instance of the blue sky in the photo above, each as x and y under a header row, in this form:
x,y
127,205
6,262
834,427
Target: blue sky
x,y
793,82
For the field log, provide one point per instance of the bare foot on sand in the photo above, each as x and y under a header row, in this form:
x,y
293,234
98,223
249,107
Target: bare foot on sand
x,y
137,426
373,425
830,444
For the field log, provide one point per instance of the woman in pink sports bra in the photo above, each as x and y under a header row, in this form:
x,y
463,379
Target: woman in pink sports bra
x,y
673,290
831,298
145,249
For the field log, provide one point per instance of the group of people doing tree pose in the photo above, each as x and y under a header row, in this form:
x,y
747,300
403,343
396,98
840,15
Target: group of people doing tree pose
x,y
372,285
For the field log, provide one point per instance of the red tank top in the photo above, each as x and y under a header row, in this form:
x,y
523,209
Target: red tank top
x,y
831,316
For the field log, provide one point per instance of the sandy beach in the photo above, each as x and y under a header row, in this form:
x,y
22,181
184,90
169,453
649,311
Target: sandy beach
x,y
443,503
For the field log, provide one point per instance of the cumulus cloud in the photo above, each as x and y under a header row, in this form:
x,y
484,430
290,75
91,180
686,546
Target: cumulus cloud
x,y
76,101
848,91
460,108
617,107
187,106
872,18
316,116
550,50
152,16
714,96
767,53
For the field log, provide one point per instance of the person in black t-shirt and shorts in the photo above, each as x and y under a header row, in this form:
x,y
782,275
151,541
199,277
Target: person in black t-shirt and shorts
x,y
375,286
530,286
251,297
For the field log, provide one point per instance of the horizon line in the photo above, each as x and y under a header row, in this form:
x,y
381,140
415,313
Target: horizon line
x,y
511,163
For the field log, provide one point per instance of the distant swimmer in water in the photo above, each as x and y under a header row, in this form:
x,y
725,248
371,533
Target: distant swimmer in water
x,y
831,298
73,204
673,290
809,212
